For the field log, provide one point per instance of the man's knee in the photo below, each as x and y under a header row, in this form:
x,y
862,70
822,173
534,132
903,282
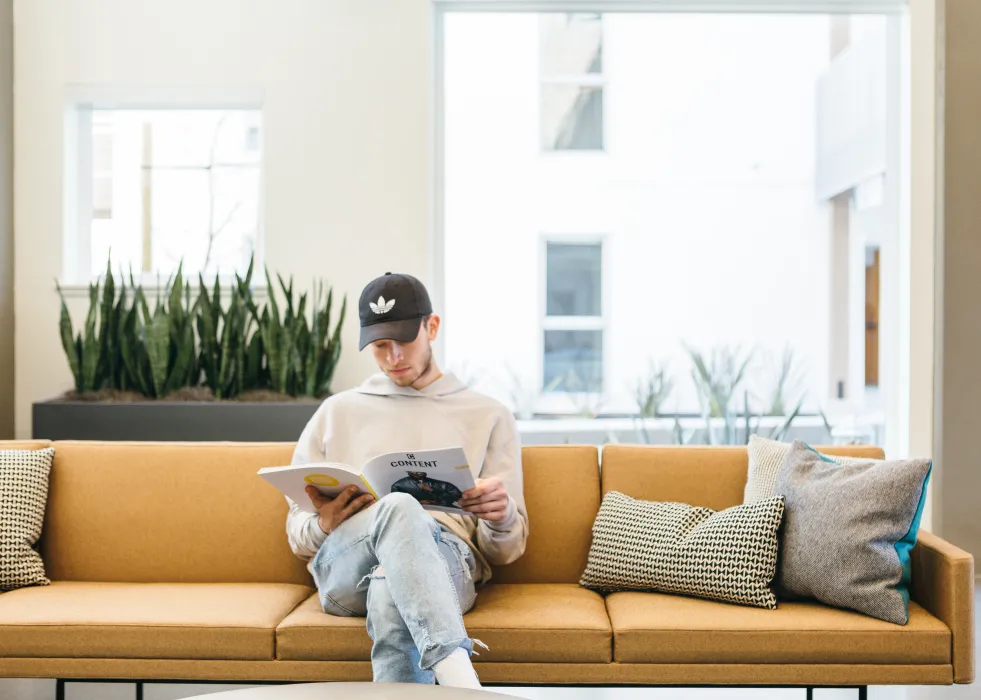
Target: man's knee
x,y
401,504
401,510
344,602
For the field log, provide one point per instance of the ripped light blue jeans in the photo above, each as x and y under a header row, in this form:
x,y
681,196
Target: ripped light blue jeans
x,y
415,604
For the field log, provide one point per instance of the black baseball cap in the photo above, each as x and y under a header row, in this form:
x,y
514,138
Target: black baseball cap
x,y
391,308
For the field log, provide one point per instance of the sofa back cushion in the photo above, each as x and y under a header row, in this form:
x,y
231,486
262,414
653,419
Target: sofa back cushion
x,y
168,512
197,512
562,494
713,477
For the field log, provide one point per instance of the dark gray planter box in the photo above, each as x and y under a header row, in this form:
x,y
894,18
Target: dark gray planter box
x,y
172,420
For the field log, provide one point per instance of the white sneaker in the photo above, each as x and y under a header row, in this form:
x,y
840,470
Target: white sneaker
x,y
456,670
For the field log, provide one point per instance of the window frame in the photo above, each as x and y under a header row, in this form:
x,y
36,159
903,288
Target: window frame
x,y
78,176
682,6
583,80
557,401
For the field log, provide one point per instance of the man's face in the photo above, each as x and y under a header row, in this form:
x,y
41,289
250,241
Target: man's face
x,y
418,476
405,363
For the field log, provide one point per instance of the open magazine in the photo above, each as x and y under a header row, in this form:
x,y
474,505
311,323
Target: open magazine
x,y
435,478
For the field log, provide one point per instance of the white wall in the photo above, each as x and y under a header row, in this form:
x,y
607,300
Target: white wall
x,y
705,192
346,90
959,279
922,288
6,220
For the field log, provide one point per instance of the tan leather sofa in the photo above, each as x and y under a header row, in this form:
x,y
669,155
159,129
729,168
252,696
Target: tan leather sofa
x,y
170,561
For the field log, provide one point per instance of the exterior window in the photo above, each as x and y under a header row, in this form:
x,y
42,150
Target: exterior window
x,y
572,82
573,328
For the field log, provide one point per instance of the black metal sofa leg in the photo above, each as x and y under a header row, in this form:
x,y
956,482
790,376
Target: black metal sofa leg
x,y
863,692
60,689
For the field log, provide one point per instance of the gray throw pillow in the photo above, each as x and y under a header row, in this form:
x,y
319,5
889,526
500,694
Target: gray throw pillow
x,y
728,555
23,499
848,531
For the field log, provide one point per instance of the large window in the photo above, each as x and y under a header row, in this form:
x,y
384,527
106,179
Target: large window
x,y
709,272
159,187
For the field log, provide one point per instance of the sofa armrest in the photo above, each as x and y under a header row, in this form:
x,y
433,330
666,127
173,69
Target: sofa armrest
x,y
943,583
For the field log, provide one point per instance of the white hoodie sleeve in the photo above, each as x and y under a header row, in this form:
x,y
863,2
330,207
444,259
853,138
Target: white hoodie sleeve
x,y
302,528
504,541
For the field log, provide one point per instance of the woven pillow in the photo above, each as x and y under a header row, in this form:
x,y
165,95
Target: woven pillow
x,y
23,496
765,458
728,555
849,530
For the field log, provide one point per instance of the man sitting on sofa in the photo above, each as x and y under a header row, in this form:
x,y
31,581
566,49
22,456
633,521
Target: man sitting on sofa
x,y
412,573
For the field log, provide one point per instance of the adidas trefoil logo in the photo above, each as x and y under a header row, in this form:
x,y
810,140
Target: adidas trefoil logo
x,y
382,307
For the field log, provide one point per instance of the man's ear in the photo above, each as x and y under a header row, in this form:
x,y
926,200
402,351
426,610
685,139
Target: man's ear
x,y
433,327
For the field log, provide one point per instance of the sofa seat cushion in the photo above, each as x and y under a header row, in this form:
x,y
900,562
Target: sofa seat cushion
x,y
658,628
146,620
531,622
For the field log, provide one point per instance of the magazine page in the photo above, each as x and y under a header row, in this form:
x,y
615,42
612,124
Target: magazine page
x,y
435,478
330,478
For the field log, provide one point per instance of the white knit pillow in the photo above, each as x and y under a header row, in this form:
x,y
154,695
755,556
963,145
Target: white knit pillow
x,y
23,497
765,458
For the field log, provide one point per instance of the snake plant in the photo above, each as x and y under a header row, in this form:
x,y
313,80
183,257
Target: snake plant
x,y
199,341
301,356
225,345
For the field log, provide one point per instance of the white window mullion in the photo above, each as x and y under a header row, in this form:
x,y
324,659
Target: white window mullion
x,y
573,323
584,80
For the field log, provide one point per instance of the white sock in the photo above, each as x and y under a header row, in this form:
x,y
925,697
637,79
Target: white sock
x,y
456,670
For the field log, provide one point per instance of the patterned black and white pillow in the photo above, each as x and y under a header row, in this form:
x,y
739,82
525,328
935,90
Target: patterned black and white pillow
x,y
23,497
728,555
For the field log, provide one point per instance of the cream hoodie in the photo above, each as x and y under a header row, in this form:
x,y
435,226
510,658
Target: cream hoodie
x,y
378,417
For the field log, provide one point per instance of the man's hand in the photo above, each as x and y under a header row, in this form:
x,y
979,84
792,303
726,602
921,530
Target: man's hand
x,y
334,511
487,500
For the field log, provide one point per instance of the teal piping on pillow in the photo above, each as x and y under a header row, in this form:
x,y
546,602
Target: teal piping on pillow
x,y
906,544
824,458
